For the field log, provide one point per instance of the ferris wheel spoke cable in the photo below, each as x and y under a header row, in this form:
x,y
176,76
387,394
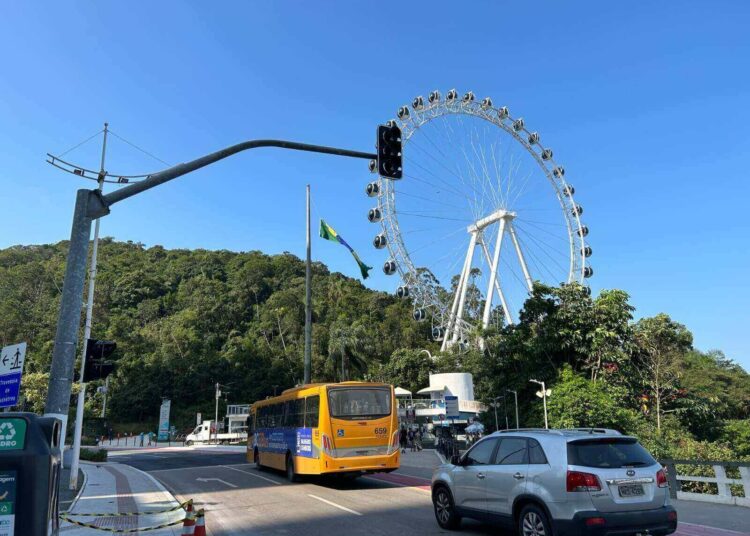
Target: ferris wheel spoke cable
x,y
446,184
524,223
543,243
551,258
540,266
399,192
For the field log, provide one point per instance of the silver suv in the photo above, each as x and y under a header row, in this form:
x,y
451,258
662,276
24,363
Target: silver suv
x,y
562,482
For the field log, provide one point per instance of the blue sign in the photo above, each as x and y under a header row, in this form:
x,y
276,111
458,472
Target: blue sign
x,y
10,384
281,440
164,420
304,442
340,432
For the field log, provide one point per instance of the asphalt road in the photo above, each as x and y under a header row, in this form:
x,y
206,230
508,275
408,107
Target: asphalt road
x,y
241,500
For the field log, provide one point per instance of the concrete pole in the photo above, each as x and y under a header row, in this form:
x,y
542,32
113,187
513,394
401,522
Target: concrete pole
x,y
106,392
308,300
69,317
216,416
86,334
544,398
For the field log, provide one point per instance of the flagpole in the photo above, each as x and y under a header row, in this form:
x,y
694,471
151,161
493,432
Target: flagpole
x,y
308,300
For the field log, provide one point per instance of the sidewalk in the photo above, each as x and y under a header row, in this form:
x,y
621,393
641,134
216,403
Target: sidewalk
x,y
117,488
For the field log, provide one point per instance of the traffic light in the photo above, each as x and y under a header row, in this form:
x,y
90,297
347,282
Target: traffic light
x,y
389,151
97,368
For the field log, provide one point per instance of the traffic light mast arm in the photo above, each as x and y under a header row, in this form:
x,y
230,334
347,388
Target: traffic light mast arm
x,y
181,169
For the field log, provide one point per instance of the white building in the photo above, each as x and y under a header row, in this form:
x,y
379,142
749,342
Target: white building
x,y
430,406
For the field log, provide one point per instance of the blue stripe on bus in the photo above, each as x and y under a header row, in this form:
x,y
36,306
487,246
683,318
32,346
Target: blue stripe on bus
x,y
298,441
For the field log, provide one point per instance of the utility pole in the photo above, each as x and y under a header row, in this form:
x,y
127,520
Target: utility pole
x,y
308,300
515,397
86,334
91,205
216,416
105,393
543,395
494,405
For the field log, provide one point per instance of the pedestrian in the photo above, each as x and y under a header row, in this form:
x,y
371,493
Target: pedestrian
x,y
410,437
418,439
402,438
141,438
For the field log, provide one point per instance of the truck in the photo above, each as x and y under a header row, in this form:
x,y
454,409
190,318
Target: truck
x,y
206,433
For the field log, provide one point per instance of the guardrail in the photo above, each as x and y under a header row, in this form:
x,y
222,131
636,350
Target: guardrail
x,y
692,480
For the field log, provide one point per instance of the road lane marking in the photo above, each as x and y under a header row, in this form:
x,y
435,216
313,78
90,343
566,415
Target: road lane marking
x,y
251,474
188,468
199,479
331,503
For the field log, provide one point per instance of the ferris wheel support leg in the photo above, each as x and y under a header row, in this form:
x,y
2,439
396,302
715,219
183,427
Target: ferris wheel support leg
x,y
452,322
493,274
465,284
521,259
508,319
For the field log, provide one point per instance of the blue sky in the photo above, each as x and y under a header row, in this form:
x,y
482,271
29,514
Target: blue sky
x,y
647,105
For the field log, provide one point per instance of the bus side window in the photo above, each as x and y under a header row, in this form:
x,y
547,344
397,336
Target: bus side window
x,y
312,409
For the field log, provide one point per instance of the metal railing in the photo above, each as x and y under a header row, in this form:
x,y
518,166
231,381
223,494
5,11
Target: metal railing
x,y
692,480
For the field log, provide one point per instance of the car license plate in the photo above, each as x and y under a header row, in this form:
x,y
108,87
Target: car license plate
x,y
630,490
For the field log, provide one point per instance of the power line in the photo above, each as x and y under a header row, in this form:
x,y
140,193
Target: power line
x,y
78,145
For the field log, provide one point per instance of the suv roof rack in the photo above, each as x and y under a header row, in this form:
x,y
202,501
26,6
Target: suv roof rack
x,y
593,430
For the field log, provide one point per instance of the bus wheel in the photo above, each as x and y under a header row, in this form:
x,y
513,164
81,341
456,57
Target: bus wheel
x,y
291,476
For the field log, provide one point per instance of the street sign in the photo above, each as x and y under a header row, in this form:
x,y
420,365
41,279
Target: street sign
x,y
11,369
451,406
164,420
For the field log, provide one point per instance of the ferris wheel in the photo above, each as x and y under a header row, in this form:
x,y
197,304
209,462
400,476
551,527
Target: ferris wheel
x,y
482,211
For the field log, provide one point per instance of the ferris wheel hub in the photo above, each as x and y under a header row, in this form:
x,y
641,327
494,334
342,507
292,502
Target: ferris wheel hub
x,y
489,220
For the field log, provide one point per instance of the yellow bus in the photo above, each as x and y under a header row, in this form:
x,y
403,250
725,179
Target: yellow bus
x,y
346,428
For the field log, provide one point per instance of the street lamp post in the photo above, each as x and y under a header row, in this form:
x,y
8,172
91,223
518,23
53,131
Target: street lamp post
x,y
515,397
544,398
93,204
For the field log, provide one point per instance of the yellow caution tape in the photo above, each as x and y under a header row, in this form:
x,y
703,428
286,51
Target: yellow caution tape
x,y
121,531
118,514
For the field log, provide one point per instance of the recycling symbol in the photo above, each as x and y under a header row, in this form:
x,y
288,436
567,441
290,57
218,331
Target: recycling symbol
x,y
11,431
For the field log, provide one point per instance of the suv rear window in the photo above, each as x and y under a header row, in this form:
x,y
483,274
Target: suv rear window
x,y
608,453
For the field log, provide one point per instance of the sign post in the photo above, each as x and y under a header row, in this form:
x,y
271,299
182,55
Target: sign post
x,y
11,369
164,420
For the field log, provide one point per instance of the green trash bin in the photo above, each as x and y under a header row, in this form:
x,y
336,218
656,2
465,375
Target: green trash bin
x,y
29,475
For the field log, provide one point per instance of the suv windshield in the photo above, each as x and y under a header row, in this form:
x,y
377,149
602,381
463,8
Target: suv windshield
x,y
609,453
359,402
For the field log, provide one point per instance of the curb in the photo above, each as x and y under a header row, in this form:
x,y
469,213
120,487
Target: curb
x,y
80,492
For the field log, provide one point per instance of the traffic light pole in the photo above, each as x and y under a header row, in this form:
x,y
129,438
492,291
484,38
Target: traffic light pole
x,y
86,335
92,204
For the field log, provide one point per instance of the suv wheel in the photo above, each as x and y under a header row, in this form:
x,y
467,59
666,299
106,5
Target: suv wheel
x,y
533,522
445,512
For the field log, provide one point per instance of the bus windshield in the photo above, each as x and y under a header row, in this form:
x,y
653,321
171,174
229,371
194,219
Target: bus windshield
x,y
359,402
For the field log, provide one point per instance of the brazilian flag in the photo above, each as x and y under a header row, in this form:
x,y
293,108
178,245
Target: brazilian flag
x,y
327,232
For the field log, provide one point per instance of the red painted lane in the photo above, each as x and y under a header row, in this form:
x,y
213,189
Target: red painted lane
x,y
690,529
683,529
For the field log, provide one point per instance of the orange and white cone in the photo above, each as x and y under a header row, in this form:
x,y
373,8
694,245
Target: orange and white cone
x,y
200,524
188,526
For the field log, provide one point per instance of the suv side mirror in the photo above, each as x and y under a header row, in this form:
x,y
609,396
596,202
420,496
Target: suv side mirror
x,y
456,460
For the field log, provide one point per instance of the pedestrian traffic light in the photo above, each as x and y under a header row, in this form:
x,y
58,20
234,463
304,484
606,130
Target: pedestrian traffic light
x,y
97,368
389,151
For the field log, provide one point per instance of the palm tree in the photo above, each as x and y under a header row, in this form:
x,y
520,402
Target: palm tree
x,y
348,343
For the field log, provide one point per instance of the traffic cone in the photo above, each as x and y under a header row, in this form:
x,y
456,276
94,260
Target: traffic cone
x,y
200,524
188,526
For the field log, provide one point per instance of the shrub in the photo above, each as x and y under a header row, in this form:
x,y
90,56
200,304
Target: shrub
x,y
94,455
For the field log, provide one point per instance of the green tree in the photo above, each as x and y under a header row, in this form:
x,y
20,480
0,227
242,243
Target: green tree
x,y
408,368
661,342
